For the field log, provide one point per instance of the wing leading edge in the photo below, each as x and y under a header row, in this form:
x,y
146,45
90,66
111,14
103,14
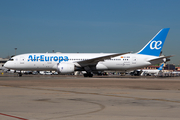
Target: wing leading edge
x,y
94,61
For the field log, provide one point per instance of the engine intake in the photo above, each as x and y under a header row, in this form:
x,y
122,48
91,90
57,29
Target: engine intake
x,y
65,68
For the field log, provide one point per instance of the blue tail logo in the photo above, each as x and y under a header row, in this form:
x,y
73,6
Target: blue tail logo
x,y
154,46
161,67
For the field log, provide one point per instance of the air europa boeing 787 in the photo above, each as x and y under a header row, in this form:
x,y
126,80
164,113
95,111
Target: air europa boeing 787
x,y
66,63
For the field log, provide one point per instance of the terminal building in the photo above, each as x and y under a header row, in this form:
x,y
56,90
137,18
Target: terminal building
x,y
2,61
167,67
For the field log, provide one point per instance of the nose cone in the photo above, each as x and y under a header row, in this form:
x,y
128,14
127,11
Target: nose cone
x,y
7,65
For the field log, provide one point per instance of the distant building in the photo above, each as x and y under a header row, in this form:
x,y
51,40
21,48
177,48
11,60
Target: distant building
x,y
166,67
3,61
151,67
170,67
177,68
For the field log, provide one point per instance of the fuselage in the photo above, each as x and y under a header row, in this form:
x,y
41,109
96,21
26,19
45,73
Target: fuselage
x,y
49,61
92,62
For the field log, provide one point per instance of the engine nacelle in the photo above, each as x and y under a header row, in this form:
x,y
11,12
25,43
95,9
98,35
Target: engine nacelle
x,y
65,68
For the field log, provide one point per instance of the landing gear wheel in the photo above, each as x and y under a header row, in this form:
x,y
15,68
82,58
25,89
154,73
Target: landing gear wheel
x,y
85,75
19,74
88,75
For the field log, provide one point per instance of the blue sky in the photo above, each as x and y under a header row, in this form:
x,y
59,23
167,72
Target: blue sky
x,y
93,26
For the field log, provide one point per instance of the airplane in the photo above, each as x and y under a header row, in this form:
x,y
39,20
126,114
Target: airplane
x,y
153,72
176,73
65,63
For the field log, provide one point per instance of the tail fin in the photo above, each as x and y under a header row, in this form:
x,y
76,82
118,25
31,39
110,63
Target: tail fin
x,y
154,46
161,67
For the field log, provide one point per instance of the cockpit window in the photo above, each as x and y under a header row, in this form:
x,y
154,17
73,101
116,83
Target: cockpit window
x,y
11,59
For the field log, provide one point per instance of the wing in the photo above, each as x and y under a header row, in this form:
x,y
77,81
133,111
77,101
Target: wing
x,y
94,61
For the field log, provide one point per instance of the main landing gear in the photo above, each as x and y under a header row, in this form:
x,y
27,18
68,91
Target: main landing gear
x,y
20,74
88,75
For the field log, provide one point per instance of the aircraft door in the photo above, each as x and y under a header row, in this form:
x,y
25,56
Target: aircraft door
x,y
22,60
134,60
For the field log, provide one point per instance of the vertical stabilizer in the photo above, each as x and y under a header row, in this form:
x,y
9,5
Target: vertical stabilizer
x,y
161,67
154,46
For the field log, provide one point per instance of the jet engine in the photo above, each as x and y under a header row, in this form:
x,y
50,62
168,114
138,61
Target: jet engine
x,y
65,68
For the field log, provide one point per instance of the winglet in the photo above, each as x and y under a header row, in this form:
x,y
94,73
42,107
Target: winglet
x,y
154,46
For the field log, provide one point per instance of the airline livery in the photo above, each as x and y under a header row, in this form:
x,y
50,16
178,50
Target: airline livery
x,y
65,63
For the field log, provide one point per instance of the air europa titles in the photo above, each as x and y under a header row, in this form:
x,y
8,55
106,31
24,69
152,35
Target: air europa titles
x,y
44,58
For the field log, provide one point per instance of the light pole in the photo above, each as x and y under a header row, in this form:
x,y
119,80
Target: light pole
x,y
15,50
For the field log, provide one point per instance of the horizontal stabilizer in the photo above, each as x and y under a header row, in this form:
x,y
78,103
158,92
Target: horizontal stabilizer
x,y
160,58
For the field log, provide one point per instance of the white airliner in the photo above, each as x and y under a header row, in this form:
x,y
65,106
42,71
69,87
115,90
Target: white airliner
x,y
65,63
153,72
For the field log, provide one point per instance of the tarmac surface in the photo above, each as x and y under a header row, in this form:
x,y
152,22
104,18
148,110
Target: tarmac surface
x,y
34,97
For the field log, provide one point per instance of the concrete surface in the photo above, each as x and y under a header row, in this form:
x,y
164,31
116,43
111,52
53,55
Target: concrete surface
x,y
78,98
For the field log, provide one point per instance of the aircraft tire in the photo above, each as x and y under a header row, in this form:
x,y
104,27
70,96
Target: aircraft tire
x,y
19,75
88,75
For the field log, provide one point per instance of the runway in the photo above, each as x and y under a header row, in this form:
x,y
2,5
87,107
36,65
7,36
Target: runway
x,y
106,98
